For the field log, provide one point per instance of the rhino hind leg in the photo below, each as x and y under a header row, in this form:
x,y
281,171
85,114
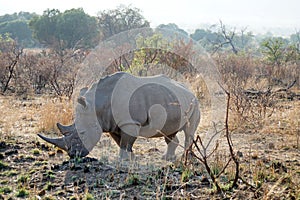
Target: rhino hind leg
x,y
126,144
172,142
189,132
190,129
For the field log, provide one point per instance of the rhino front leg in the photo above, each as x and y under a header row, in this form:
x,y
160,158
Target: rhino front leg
x,y
126,144
172,142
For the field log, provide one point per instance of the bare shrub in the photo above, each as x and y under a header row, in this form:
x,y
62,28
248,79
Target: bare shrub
x,y
254,86
50,71
237,73
32,75
10,54
62,67
215,166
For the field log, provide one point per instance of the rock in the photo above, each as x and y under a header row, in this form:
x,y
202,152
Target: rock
x,y
3,145
86,169
205,180
271,145
239,154
11,152
42,193
51,153
55,167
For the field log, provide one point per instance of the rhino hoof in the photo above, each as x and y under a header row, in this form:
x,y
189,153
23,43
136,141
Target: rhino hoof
x,y
126,156
168,157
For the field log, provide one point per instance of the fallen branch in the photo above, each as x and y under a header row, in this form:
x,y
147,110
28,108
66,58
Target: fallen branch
x,y
253,93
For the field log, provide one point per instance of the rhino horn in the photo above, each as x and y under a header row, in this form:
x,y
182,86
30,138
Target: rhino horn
x,y
65,129
59,142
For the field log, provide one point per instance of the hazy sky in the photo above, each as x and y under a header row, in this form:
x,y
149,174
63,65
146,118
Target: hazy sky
x,y
188,14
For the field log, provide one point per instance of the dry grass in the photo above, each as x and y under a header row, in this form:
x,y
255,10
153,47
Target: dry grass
x,y
30,116
14,112
53,111
285,120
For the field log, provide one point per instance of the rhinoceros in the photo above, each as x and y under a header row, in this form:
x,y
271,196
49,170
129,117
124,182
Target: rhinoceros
x,y
126,107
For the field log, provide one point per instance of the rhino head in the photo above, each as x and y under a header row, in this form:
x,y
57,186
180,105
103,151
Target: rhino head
x,y
70,142
80,137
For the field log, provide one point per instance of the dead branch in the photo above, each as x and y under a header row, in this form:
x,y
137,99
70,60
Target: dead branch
x,y
228,37
287,88
230,144
203,156
253,93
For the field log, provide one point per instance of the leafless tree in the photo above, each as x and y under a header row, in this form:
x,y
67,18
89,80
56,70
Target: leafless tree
x,y
10,54
226,38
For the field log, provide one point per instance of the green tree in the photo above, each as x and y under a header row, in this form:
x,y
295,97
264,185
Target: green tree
x,y
173,27
77,29
274,50
18,30
16,25
147,54
200,34
45,27
120,19
207,38
295,40
72,29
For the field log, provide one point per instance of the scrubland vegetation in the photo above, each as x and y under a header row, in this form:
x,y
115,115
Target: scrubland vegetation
x,y
257,156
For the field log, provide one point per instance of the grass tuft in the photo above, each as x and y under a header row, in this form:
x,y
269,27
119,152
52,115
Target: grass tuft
x,y
88,196
53,111
22,193
36,152
5,190
3,165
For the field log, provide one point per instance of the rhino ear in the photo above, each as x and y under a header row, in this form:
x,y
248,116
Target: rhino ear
x,y
81,100
83,91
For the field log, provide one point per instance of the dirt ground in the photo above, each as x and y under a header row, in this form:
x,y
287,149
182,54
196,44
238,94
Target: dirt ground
x,y
29,168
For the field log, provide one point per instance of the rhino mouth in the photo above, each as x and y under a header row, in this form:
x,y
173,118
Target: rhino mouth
x,y
70,142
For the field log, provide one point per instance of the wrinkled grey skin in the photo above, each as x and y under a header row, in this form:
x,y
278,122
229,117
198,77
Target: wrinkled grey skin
x,y
156,107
